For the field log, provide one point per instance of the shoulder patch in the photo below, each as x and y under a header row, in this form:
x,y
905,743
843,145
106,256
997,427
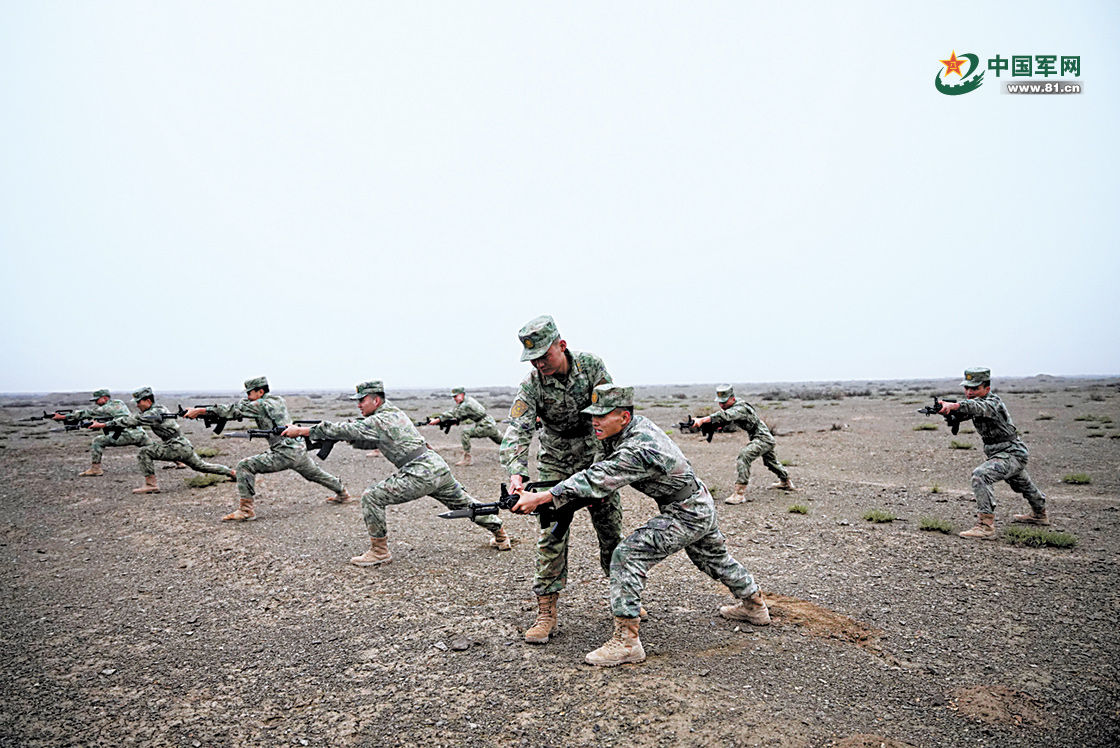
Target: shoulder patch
x,y
519,409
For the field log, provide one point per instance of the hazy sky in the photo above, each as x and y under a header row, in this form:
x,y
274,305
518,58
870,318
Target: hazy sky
x,y
195,193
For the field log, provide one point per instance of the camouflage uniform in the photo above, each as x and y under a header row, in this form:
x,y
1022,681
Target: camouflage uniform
x,y
1006,453
471,411
741,414
105,413
270,411
643,456
174,447
567,446
420,470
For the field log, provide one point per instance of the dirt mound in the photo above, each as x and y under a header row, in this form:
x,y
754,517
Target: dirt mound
x,y
870,741
997,705
822,622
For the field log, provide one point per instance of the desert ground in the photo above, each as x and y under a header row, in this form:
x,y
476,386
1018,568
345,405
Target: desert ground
x,y
144,620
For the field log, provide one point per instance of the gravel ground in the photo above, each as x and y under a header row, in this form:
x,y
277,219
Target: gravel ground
x,y
143,620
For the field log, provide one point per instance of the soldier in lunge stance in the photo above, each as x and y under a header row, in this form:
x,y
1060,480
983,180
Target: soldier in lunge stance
x,y
269,411
420,471
105,409
1006,453
639,453
476,422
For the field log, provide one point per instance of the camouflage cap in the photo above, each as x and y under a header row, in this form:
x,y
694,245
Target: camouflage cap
x,y
724,393
144,392
372,387
536,336
607,397
256,383
457,391
98,394
976,377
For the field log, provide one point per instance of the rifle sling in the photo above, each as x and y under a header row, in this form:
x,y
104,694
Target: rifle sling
x,y
415,455
583,429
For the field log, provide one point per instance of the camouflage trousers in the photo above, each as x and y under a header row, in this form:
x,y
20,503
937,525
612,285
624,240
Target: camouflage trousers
x,y
128,438
177,450
690,525
286,457
427,475
1011,468
480,430
763,448
606,518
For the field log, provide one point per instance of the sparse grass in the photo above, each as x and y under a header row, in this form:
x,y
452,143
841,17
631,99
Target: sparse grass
x,y
208,451
959,445
968,431
1044,417
935,488
799,509
927,426
204,480
1104,419
1085,418
879,516
930,524
1077,479
788,463
808,405
913,402
1039,537
1096,435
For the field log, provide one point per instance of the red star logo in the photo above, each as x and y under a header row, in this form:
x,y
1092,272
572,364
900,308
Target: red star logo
x,y
953,65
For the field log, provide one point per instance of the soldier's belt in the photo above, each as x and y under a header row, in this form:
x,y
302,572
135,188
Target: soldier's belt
x,y
1000,446
684,494
584,429
416,455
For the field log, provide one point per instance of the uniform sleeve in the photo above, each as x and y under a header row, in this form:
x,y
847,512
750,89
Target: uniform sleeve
x,y
602,376
470,410
514,452
245,407
978,407
346,431
624,467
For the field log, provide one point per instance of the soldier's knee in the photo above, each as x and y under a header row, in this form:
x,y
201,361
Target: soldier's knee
x,y
981,477
246,466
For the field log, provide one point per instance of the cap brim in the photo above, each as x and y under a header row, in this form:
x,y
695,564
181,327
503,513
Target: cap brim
x,y
967,383
531,354
359,396
598,410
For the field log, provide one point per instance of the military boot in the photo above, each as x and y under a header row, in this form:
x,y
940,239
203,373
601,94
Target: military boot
x,y
985,528
342,498
623,646
244,512
150,485
738,496
753,610
94,470
500,540
465,461
545,626
784,484
1034,518
377,554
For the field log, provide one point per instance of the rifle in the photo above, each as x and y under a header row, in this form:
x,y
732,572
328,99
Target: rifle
x,y
548,515
210,420
74,425
46,416
952,419
444,424
322,448
689,427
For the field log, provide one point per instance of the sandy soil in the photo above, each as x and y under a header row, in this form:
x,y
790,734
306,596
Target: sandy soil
x,y
145,621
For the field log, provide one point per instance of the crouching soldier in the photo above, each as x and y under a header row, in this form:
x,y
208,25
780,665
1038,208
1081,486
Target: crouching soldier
x,y
174,447
740,413
105,409
476,422
269,411
420,470
1006,453
640,454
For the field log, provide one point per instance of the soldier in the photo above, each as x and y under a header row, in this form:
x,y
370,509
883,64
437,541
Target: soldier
x,y
106,410
1006,453
639,454
175,447
556,391
420,470
469,410
741,414
269,411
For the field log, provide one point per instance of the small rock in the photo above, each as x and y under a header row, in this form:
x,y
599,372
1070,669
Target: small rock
x,y
461,643
108,671
440,646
